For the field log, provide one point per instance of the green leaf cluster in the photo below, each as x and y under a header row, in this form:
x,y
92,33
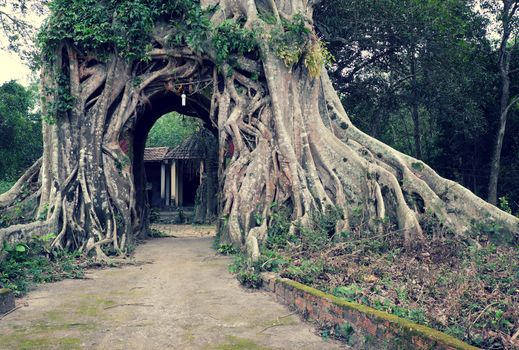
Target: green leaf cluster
x,y
121,26
290,38
26,264
20,144
231,39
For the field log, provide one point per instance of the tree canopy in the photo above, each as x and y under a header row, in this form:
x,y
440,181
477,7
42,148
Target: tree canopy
x,y
171,129
20,130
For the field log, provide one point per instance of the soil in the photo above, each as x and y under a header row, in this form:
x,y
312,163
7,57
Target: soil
x,y
176,294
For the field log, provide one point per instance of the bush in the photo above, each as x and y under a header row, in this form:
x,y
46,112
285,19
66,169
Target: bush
x,y
250,279
226,249
32,263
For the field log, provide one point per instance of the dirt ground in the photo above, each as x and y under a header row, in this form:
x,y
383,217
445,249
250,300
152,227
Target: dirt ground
x,y
177,295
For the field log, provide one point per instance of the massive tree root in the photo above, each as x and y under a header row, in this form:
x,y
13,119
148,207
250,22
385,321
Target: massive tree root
x,y
283,135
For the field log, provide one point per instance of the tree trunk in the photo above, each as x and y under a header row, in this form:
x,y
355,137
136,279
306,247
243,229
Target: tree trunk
x,y
414,110
505,53
284,138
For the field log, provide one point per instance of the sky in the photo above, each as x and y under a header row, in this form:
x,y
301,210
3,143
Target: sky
x,y
13,68
11,65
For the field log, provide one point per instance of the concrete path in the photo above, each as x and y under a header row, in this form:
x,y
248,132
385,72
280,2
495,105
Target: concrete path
x,y
180,297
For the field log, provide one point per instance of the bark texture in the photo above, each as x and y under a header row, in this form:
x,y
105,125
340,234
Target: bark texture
x,y
283,136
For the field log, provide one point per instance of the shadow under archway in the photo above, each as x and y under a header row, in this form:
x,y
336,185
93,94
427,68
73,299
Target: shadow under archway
x,y
197,106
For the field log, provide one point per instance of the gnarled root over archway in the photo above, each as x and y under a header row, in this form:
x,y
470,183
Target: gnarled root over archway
x,y
284,138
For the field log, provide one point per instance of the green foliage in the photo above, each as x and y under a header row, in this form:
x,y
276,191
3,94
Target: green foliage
x,y
250,279
304,271
171,130
271,260
20,131
279,227
317,57
351,292
5,185
226,249
27,264
344,331
504,205
154,233
154,215
290,38
247,273
230,40
194,30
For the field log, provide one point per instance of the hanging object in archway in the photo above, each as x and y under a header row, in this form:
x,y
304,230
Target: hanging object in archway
x,y
184,98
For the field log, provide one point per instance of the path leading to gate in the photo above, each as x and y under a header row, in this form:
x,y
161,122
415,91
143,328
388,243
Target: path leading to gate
x,y
181,296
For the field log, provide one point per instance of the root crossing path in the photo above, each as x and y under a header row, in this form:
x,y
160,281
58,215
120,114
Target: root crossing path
x,y
181,297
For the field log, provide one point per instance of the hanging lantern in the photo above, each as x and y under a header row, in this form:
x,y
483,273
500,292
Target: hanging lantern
x,y
184,98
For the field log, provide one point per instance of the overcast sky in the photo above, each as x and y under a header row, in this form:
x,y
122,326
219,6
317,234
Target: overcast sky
x,y
11,65
13,68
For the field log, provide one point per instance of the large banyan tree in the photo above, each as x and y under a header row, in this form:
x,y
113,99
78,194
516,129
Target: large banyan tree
x,y
254,72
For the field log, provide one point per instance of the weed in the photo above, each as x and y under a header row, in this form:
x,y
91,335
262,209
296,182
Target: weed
x,y
247,272
306,271
226,249
344,331
250,279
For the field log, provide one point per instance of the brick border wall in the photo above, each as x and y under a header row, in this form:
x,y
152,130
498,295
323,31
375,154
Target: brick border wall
x,y
360,326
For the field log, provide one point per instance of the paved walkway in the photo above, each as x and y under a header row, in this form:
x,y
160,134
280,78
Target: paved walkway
x,y
180,297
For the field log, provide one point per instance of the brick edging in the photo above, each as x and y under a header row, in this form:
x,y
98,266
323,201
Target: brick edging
x,y
366,328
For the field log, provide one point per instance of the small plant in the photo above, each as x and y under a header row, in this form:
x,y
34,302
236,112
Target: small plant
x,y
250,279
154,233
349,293
154,215
181,218
247,272
306,271
344,331
317,57
226,249
26,264
504,205
231,40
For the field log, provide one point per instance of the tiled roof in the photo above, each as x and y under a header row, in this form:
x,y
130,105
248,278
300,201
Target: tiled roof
x,y
155,154
191,148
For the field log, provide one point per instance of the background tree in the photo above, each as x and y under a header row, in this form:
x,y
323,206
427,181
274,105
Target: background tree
x,y
171,129
505,14
20,130
441,99
18,31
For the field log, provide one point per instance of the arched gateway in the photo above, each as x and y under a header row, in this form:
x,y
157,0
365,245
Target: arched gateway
x,y
253,71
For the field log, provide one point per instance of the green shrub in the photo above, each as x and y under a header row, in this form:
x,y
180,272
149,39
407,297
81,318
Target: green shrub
x,y
250,279
226,249
28,264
